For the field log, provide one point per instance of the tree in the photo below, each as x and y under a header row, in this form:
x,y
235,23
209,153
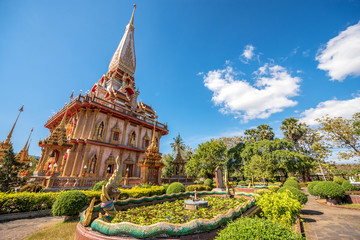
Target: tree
x,y
280,152
343,134
235,162
262,132
231,142
293,130
178,144
260,168
206,158
168,170
9,171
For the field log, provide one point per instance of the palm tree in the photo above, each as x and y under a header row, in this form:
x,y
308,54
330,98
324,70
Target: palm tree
x,y
293,130
178,144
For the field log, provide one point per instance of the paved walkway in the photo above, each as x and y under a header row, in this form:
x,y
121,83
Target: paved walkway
x,y
22,228
325,222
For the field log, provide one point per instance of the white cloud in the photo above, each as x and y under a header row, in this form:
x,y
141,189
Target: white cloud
x,y
334,108
341,56
269,94
306,53
248,53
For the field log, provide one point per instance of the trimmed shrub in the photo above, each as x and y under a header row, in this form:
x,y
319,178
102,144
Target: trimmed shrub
x,y
98,186
248,181
346,185
33,187
279,208
329,190
296,194
293,178
191,188
165,186
311,186
339,180
291,183
256,228
175,187
242,183
69,203
274,188
208,182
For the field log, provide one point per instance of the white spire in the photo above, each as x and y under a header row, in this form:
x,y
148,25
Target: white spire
x,y
124,57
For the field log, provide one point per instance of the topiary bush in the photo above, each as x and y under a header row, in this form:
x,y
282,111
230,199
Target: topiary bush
x,y
256,228
346,185
279,208
69,203
329,190
296,193
291,183
165,186
242,183
311,186
175,187
98,186
248,181
338,180
208,182
293,178
32,187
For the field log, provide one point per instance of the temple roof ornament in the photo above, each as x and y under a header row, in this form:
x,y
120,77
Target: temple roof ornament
x,y
58,136
7,141
124,57
153,147
23,154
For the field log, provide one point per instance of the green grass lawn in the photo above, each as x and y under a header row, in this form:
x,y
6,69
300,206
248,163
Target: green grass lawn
x,y
61,231
352,205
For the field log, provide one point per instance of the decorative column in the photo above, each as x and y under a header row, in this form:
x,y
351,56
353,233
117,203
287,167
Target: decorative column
x,y
84,160
98,163
44,159
78,127
60,159
77,160
85,123
126,123
106,126
38,167
69,162
139,137
93,122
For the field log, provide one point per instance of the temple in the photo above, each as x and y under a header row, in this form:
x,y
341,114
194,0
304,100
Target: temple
x,y
91,130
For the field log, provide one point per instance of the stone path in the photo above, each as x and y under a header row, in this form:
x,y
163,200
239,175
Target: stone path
x,y
325,222
22,228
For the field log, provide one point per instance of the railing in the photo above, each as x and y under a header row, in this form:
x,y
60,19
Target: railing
x,y
108,105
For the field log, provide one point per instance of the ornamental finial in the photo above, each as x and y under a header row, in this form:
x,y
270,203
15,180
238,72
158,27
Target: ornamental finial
x,y
132,17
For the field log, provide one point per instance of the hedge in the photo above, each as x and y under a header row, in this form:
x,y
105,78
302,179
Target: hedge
x,y
256,228
339,180
25,201
291,183
191,188
329,190
347,186
69,203
311,186
298,194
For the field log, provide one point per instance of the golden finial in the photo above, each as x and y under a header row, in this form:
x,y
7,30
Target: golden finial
x,y
7,141
132,17
26,144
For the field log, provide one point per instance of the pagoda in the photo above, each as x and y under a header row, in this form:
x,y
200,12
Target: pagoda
x,y
151,164
5,145
93,129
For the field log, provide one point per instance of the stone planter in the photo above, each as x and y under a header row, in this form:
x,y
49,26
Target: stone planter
x,y
353,198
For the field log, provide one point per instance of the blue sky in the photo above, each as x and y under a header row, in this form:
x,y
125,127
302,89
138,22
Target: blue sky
x,y
209,68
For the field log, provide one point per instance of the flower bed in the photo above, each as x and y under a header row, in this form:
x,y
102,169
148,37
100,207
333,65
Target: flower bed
x,y
164,228
175,212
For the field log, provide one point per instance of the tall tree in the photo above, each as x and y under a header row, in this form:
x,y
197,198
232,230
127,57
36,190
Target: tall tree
x,y
235,162
178,144
293,130
343,134
206,158
9,171
262,132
